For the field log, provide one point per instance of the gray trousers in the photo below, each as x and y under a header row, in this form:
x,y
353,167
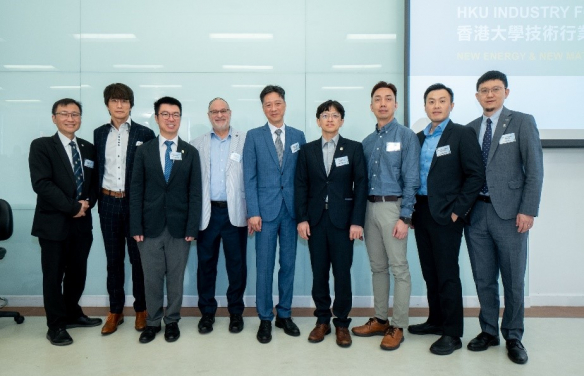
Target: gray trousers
x,y
388,253
495,245
164,256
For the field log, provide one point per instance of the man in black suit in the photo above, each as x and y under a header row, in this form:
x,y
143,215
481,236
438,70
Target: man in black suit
x,y
330,196
116,143
165,211
62,175
451,175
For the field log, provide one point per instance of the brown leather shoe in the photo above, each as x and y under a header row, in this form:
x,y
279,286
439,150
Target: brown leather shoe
x,y
318,333
141,320
371,328
343,337
392,339
112,322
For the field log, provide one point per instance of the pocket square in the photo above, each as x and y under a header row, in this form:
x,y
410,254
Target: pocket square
x,y
138,143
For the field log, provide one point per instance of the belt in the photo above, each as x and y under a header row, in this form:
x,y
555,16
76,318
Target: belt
x,y
483,198
219,204
116,194
382,198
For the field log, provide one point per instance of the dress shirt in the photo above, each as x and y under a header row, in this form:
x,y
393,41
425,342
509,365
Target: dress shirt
x,y
495,119
162,148
328,151
66,141
395,172
219,158
427,153
116,146
282,135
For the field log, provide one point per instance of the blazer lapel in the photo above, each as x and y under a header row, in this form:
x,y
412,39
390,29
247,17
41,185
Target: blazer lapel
x,y
339,151
64,158
318,156
178,163
87,171
233,145
442,142
504,120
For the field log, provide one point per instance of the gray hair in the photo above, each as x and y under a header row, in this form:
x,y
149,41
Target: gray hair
x,y
217,99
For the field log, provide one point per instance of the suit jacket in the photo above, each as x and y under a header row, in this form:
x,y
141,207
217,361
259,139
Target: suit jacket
x,y
138,134
53,181
345,185
234,178
266,183
514,169
455,179
154,203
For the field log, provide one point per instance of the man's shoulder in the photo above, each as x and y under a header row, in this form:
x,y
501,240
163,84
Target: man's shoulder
x,y
351,143
142,128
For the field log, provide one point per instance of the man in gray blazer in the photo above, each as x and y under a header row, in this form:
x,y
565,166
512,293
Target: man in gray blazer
x,y
503,214
223,217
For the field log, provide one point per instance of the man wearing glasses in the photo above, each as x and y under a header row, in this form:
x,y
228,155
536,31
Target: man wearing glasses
x,y
269,161
165,211
330,194
503,214
116,144
62,175
224,217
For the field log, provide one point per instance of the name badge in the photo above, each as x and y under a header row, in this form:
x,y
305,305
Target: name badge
x,y
138,143
235,157
392,146
295,147
88,163
175,156
443,150
507,138
341,161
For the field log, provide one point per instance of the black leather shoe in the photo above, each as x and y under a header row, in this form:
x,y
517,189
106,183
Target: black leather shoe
x,y
288,325
83,322
482,342
171,332
516,352
265,331
235,323
206,323
149,334
445,345
59,337
425,328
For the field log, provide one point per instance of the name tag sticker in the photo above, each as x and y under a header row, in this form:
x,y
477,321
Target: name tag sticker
x,y
175,156
235,157
443,150
507,138
341,161
392,146
88,163
295,147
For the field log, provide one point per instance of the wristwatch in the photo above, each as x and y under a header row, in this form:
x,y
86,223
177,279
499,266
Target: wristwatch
x,y
406,220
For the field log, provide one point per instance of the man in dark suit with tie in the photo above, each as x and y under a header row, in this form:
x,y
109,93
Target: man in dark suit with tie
x,y
116,143
269,162
165,211
330,197
451,175
496,236
62,176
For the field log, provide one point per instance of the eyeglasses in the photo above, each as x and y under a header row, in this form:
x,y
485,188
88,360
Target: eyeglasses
x,y
119,101
217,112
335,116
65,115
495,90
269,105
165,115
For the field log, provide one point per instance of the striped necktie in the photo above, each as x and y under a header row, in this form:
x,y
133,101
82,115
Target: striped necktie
x,y
167,160
77,169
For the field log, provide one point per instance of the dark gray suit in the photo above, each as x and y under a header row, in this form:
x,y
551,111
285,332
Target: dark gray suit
x,y
514,174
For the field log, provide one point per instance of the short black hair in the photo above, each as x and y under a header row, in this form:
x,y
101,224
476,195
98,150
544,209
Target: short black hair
x,y
273,89
65,102
383,84
167,100
492,75
325,106
438,87
118,91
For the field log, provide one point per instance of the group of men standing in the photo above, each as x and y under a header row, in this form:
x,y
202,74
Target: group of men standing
x,y
158,194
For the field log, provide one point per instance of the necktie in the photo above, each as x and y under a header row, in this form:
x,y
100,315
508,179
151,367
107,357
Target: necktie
x,y
279,146
329,150
487,138
167,160
77,169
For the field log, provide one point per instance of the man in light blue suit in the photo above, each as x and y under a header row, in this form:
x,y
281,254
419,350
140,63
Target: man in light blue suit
x,y
269,163
500,220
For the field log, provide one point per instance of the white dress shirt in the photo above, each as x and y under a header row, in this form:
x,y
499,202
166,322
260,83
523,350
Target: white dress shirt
x,y
116,146
66,141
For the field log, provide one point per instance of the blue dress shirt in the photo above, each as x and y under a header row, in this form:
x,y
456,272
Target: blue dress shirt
x,y
219,158
427,153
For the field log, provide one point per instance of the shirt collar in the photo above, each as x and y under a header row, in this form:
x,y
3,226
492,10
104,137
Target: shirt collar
x,y
494,118
439,129
335,140
127,123
386,127
162,139
214,135
65,140
273,128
